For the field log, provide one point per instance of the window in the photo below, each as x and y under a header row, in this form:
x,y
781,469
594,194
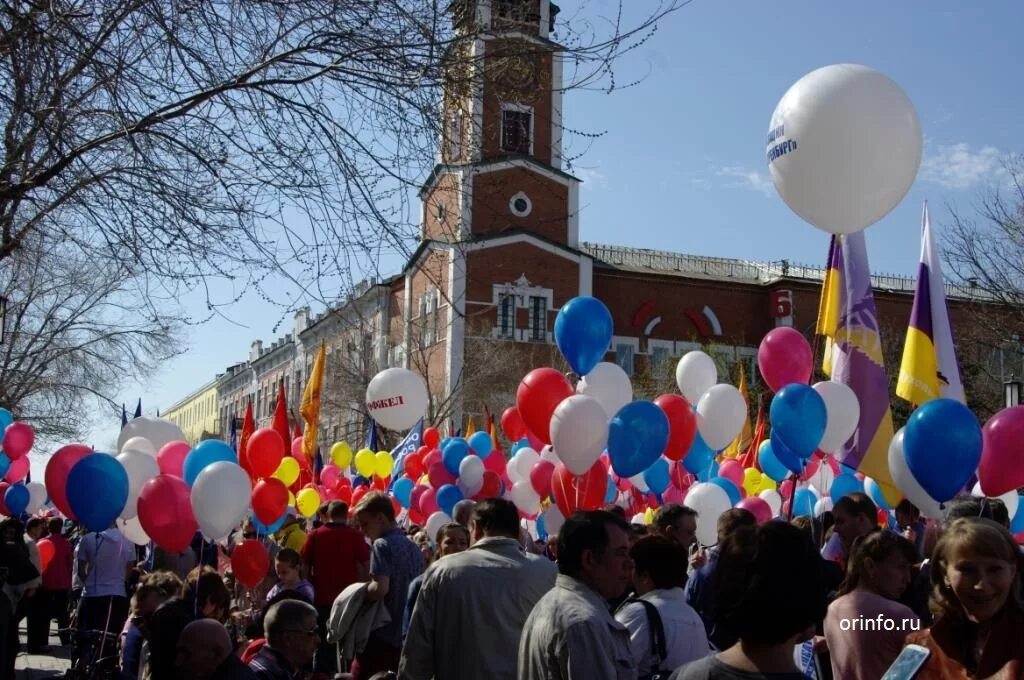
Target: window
x,y
538,318
506,316
434,316
659,357
516,128
520,205
455,135
624,357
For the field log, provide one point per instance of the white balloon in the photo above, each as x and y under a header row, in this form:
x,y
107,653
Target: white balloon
x,y
637,481
710,501
639,518
141,467
525,498
140,444
396,398
471,474
36,497
721,412
774,500
157,430
842,411
133,531
695,374
220,498
553,519
609,384
523,462
579,432
548,454
844,146
822,478
435,522
823,505
904,480
1010,499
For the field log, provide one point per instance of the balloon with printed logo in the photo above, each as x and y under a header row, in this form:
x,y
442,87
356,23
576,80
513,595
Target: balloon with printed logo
x,y
784,357
98,488
578,492
165,512
695,374
798,419
171,458
269,500
56,475
710,501
204,454
842,414
18,470
18,439
579,432
636,437
141,468
537,397
752,481
396,398
16,498
583,332
250,563
758,507
721,412
220,498
948,426
264,452
157,431
609,385
682,425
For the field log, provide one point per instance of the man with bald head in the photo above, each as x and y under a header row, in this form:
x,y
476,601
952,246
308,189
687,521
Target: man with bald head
x,y
205,651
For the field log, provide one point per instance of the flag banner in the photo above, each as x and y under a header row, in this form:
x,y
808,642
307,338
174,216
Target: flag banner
x,y
233,438
831,298
124,415
310,408
138,409
248,427
856,358
409,444
742,441
470,427
929,368
280,420
371,434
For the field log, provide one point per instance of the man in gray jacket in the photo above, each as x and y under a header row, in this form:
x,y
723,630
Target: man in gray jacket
x,y
472,605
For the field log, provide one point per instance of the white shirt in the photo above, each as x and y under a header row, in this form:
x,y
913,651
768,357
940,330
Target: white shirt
x,y
685,637
108,554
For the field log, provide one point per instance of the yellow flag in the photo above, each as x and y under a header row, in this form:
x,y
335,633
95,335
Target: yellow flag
x,y
470,428
310,408
831,299
742,441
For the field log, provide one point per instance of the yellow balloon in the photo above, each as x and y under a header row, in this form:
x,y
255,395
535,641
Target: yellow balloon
x,y
307,502
287,471
291,500
752,481
383,464
341,454
365,462
768,483
648,516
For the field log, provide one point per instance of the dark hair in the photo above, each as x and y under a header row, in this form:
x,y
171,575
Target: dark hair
x,y
876,546
34,522
289,557
285,615
1000,513
56,526
909,508
663,560
615,510
857,503
496,517
805,525
255,628
166,584
667,515
732,519
376,502
585,531
768,568
205,586
967,506
337,511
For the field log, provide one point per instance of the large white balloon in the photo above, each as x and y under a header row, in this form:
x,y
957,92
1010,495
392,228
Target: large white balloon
x,y
1010,499
36,497
579,432
141,467
695,374
220,498
842,414
133,531
609,384
525,498
521,464
774,500
157,430
140,444
904,480
721,412
843,147
396,398
471,474
710,501
548,454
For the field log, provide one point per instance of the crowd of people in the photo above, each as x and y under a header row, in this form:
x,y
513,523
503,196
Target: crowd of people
x,y
358,593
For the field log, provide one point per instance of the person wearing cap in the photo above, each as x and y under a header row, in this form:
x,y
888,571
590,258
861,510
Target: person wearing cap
x,y
291,534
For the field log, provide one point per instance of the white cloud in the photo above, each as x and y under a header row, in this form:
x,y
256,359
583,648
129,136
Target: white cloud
x,y
744,178
592,177
958,166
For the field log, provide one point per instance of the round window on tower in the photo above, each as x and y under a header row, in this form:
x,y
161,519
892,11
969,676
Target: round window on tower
x,y
520,205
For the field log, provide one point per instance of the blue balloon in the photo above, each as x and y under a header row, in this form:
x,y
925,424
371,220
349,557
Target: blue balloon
x,y
6,418
542,531
803,502
798,419
707,473
699,457
658,477
768,462
97,490
636,437
845,484
729,487
447,496
1017,522
874,492
402,491
359,481
583,332
16,499
611,491
890,519
266,530
786,456
443,443
453,454
481,443
942,444
5,464
204,454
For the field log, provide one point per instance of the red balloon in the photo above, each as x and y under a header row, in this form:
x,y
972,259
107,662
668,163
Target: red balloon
x,y
512,424
431,438
540,477
171,458
165,512
810,468
1002,468
785,357
539,394
46,551
786,488
758,507
428,502
56,476
4,486
18,470
414,468
417,493
269,500
250,563
433,456
682,425
343,494
491,486
882,515
264,453
18,439
357,495
439,476
495,462
572,493
681,479
416,518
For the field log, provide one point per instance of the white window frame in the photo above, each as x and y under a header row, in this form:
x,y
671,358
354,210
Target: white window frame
x,y
634,343
521,291
531,335
499,331
654,344
512,205
520,108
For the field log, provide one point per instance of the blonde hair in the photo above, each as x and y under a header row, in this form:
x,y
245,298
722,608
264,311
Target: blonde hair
x,y
974,536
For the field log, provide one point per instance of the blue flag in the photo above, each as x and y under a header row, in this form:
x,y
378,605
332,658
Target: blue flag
x,y
371,435
124,415
138,409
409,444
234,434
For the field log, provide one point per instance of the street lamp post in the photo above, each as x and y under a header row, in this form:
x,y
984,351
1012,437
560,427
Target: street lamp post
x,y
1012,390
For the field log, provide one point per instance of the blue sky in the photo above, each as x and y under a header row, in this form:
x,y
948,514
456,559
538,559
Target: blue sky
x,y
681,164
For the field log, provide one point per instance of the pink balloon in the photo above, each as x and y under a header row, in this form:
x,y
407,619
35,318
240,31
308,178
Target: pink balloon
x,y
758,507
18,470
733,471
540,477
428,502
439,476
433,456
673,495
810,468
786,488
297,449
56,476
329,476
416,495
165,512
171,458
785,357
1002,467
18,439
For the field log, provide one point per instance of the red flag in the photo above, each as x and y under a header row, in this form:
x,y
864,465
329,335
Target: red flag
x,y
280,422
248,427
749,459
297,431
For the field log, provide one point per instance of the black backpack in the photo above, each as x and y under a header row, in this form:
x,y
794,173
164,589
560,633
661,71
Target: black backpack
x,y
657,633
